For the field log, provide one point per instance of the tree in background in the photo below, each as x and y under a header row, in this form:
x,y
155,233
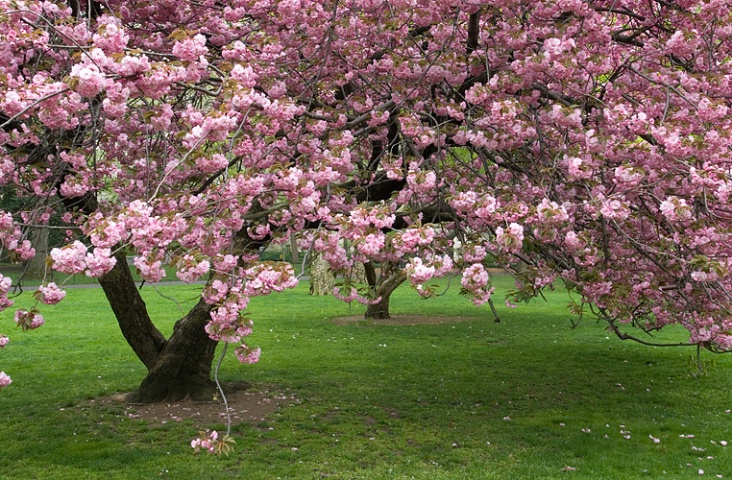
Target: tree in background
x,y
584,141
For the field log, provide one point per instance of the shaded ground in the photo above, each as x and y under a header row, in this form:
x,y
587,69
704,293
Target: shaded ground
x,y
403,320
245,406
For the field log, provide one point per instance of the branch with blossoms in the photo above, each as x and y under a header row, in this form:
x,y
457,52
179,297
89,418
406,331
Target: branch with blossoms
x,y
209,441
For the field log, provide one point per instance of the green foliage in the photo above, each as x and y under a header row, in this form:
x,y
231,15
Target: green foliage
x,y
467,398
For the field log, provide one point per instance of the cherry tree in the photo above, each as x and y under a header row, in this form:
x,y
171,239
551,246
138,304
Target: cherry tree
x,y
566,140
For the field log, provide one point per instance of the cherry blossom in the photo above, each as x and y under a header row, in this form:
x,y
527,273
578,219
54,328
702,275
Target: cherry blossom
x,y
51,294
206,443
5,380
28,320
576,142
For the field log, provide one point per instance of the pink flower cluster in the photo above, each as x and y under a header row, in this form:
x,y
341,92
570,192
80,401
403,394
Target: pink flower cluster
x,y
212,442
89,80
227,325
190,49
247,355
476,283
75,258
510,239
190,269
11,237
353,294
264,278
151,269
5,380
675,209
418,272
50,294
6,284
28,320
206,441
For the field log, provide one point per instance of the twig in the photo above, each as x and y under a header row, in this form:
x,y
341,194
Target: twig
x,y
221,390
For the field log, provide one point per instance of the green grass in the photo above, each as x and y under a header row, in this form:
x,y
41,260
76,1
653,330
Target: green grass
x,y
520,399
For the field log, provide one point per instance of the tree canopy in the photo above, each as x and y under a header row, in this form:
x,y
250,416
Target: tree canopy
x,y
564,140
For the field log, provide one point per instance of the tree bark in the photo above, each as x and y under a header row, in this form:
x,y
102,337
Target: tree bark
x,y
36,267
131,312
384,285
379,311
183,367
179,367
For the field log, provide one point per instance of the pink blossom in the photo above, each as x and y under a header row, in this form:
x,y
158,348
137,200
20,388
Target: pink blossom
x,y
476,283
190,49
225,263
263,279
28,320
191,269
550,213
162,118
224,315
222,332
99,262
443,264
349,297
112,38
679,44
109,235
510,239
150,271
70,259
576,168
247,355
50,294
699,276
90,81
475,254
418,272
372,244
615,209
4,340
5,284
572,242
555,47
675,209
215,292
5,380
628,176
207,441
212,164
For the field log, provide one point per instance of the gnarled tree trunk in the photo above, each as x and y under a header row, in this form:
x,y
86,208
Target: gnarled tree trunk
x,y
183,366
178,367
383,283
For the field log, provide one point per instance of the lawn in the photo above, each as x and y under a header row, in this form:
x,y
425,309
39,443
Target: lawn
x,y
529,397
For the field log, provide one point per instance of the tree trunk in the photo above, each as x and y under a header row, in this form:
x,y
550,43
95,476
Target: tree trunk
x,y
35,268
384,285
183,367
321,276
294,254
131,312
379,311
179,367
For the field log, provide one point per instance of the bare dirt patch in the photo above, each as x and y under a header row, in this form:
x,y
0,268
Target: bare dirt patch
x,y
405,320
245,406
